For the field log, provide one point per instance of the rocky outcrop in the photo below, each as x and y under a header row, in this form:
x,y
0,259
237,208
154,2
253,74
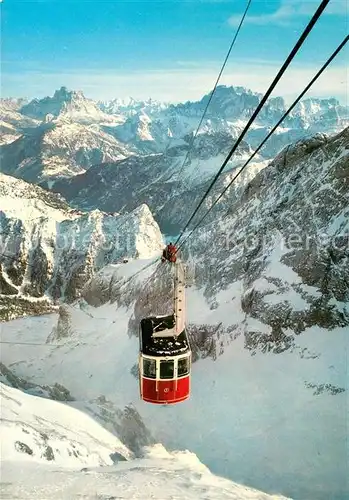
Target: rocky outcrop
x,y
127,424
49,252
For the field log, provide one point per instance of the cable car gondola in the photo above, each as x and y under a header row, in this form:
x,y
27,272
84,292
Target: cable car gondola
x,y
165,355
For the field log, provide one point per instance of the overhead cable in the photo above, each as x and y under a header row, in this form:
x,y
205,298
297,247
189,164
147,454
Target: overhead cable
x,y
278,77
215,87
321,70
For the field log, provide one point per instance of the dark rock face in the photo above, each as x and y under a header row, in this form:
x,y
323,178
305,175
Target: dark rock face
x,y
23,448
5,287
127,424
209,341
14,306
38,273
64,327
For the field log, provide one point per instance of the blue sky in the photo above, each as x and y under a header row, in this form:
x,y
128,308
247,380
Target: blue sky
x,y
166,49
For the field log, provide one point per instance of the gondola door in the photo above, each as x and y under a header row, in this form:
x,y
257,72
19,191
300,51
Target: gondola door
x,y
167,385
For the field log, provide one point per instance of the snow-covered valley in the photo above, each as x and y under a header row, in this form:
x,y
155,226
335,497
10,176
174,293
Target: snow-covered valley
x,y
276,422
50,450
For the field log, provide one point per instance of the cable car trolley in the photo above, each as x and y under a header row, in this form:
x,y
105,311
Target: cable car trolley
x,y
165,355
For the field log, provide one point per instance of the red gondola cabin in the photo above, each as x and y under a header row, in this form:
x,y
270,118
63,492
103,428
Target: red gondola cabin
x,y
164,361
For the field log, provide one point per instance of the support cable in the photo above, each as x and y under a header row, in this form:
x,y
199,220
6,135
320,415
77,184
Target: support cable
x,y
278,77
322,69
191,144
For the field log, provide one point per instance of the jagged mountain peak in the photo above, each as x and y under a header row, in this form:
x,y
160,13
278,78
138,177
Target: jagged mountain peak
x,y
49,251
130,106
233,90
148,127
64,94
66,105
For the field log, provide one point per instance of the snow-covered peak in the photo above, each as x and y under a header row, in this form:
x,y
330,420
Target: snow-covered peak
x,y
8,133
68,106
10,115
136,128
325,115
148,127
49,250
12,103
129,107
25,201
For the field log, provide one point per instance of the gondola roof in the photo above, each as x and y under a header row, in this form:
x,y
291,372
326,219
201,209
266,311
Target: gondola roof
x,y
162,346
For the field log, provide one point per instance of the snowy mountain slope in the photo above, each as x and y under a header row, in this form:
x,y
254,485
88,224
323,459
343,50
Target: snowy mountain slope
x,y
131,106
8,133
268,321
13,103
49,442
53,151
159,474
21,122
277,422
289,232
162,476
11,118
56,392
144,134
274,274
49,250
40,430
67,106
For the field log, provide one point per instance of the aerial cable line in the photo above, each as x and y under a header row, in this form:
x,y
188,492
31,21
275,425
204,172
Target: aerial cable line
x,y
191,144
278,77
322,69
32,343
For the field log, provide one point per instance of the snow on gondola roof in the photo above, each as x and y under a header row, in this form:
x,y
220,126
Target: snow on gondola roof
x,y
162,346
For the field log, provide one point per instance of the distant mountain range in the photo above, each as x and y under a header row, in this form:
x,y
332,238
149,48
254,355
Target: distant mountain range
x,y
119,154
108,131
